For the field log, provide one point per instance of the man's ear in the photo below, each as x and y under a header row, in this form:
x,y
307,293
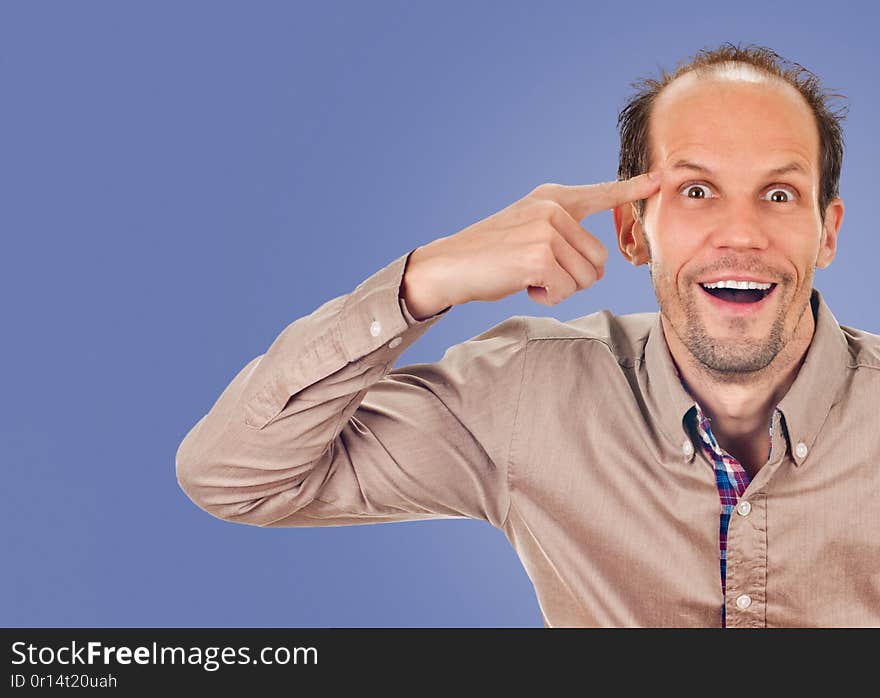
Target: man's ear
x,y
630,234
828,243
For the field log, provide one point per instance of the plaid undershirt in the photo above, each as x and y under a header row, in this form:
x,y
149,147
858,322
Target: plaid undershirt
x,y
730,477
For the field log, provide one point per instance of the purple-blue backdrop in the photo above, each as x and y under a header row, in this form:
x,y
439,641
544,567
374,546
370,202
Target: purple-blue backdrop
x,y
181,180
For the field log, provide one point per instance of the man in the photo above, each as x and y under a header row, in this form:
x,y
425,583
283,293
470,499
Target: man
x,y
712,464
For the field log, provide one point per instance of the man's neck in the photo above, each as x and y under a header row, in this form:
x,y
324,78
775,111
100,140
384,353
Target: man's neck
x,y
740,411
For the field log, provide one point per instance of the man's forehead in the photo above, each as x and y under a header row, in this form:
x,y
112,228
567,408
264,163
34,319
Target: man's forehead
x,y
790,162
785,125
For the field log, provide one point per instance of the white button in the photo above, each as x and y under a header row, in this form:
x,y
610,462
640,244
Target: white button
x,y
743,508
687,448
801,450
743,601
375,328
394,342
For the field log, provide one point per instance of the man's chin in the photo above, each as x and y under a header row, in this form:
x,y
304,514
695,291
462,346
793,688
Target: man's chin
x,y
731,355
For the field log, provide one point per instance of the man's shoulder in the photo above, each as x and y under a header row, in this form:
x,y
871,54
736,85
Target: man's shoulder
x,y
624,335
864,347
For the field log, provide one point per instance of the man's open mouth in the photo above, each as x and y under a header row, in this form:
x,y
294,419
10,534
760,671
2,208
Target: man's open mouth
x,y
738,292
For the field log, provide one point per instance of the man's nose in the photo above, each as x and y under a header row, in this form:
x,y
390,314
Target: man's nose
x,y
740,226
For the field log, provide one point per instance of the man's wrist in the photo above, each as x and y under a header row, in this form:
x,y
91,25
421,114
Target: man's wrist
x,y
416,289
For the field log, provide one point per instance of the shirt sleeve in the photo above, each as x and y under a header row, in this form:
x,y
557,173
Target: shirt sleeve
x,y
321,431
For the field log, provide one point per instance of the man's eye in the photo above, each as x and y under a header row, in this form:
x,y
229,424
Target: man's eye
x,y
697,191
781,195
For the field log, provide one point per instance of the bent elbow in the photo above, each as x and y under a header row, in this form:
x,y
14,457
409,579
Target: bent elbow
x,y
190,479
193,477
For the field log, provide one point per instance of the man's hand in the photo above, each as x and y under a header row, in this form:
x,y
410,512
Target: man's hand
x,y
535,243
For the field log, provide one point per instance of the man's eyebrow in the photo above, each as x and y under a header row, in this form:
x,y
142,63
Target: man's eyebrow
x,y
793,166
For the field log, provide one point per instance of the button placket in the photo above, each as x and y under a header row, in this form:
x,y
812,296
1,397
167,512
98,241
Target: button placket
x,y
747,563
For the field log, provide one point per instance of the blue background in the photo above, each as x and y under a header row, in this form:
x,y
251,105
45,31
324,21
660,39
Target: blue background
x,y
181,180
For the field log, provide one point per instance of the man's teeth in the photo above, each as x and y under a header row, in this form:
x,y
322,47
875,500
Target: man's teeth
x,y
737,284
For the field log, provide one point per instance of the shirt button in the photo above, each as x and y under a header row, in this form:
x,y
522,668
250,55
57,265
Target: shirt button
x,y
375,328
743,601
801,450
687,448
394,342
743,508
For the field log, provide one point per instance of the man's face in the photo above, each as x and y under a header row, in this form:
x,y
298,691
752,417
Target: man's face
x,y
735,219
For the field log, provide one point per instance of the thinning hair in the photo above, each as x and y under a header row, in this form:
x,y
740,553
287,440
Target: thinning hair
x,y
633,120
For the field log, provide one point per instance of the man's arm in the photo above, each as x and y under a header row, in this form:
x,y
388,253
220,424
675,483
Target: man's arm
x,y
320,431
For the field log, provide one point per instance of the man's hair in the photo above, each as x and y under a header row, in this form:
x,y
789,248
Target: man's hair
x,y
632,122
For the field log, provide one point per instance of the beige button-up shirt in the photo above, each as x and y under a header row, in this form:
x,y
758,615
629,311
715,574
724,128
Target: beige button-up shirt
x,y
570,437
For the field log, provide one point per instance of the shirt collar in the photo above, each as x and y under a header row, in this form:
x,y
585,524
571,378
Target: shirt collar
x,y
819,381
804,407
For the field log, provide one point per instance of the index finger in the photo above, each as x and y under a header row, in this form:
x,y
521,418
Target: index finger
x,y
581,200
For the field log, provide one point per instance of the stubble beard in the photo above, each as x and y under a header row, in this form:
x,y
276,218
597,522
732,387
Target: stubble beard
x,y
728,360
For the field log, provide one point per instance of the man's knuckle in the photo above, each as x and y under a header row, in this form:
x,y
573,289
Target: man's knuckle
x,y
536,193
544,189
544,209
551,208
